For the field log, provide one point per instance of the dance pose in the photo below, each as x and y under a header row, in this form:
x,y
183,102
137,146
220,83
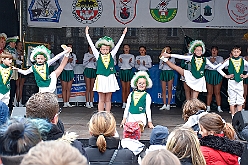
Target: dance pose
x,y
126,63
105,82
5,72
214,79
166,77
143,62
89,62
41,56
195,78
138,108
235,77
67,76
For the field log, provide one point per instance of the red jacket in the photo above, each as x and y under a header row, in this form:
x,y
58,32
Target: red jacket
x,y
218,157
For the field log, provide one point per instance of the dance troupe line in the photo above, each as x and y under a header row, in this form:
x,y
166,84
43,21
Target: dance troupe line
x,y
100,75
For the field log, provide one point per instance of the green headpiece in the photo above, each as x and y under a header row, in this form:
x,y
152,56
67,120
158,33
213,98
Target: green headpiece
x,y
40,50
108,41
195,44
137,76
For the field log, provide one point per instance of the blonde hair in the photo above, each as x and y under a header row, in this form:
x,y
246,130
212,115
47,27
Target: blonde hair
x,y
160,157
214,122
54,153
5,54
102,124
184,143
191,107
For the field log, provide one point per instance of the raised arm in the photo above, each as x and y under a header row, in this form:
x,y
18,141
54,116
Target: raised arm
x,y
182,57
117,46
25,72
219,69
93,48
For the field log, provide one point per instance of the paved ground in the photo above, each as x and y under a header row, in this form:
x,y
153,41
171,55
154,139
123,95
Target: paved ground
x,y
76,119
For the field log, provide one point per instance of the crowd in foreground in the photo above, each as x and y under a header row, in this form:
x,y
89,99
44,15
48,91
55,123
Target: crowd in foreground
x,y
39,139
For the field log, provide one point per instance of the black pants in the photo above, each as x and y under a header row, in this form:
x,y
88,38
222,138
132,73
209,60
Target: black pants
x,y
12,94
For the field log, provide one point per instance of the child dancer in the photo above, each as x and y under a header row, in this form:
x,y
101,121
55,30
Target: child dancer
x,y
235,89
138,107
5,72
126,63
143,62
194,78
105,82
67,76
41,55
213,79
166,77
89,62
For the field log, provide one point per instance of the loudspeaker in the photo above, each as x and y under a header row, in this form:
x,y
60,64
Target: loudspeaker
x,y
18,111
239,121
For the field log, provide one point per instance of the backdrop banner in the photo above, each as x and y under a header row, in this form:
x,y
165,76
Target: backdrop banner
x,y
78,87
227,14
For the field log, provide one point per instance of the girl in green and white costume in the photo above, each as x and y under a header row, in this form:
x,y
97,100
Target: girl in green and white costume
x,y
41,55
195,78
105,82
138,107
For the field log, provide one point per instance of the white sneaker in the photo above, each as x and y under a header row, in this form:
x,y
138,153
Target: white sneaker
x,y
20,104
163,107
208,109
91,105
87,105
123,106
68,104
65,105
219,109
167,107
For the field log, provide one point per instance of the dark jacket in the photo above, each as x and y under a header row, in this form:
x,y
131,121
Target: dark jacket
x,y
123,157
186,161
219,150
12,160
55,133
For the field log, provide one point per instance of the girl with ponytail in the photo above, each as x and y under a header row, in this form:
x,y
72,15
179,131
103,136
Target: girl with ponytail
x,y
104,145
217,143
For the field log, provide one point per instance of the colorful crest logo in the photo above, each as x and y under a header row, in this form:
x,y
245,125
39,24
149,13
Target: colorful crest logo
x,y
200,11
87,11
124,10
238,10
44,10
163,10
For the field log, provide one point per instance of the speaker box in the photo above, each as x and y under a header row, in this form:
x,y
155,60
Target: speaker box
x,y
18,112
239,121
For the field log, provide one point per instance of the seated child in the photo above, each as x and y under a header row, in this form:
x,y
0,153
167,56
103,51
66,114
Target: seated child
x,y
139,101
41,56
5,72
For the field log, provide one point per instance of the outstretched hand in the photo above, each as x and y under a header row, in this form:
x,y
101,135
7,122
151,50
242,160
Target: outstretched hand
x,y
66,48
87,30
125,30
166,55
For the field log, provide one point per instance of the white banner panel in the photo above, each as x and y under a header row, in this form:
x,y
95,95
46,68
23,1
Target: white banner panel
x,y
228,14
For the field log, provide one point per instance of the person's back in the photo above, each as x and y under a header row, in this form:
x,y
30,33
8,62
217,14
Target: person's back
x,y
103,146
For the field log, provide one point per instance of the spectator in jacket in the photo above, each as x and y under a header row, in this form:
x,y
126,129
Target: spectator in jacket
x,y
160,157
45,106
103,146
18,135
184,143
54,153
217,142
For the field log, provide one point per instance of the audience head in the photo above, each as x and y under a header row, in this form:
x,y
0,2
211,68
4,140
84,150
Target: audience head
x,y
160,157
18,135
54,153
3,38
191,107
101,125
184,143
4,113
212,123
159,135
44,106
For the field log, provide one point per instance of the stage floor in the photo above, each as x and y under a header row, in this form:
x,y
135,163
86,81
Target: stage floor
x,y
76,119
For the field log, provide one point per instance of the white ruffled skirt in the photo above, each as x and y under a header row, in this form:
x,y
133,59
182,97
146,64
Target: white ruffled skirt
x,y
198,85
106,84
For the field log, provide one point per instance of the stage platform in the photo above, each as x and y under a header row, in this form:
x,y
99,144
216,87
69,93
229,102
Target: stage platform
x,y
76,119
